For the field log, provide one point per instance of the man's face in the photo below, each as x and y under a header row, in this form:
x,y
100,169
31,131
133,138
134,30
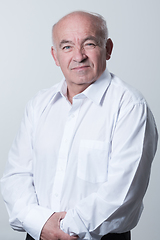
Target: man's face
x,y
80,51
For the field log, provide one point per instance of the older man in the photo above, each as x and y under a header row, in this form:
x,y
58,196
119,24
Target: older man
x,y
80,164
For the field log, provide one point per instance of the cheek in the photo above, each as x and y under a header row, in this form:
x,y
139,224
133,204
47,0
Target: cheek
x,y
96,56
96,61
63,62
101,60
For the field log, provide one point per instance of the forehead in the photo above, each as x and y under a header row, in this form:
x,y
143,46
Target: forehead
x,y
75,27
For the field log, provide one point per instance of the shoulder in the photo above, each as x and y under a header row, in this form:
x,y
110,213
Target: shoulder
x,y
125,92
42,99
45,95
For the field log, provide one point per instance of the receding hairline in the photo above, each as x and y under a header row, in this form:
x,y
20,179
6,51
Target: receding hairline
x,y
99,22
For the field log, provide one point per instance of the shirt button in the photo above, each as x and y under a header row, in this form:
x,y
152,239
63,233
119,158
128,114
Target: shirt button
x,y
56,195
71,116
60,169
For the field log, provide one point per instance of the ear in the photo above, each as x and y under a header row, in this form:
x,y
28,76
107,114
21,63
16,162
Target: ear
x,y
109,47
54,55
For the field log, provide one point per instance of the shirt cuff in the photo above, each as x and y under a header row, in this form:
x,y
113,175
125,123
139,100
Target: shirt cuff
x,y
35,220
73,225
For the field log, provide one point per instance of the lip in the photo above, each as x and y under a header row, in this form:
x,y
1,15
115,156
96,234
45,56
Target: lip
x,y
79,68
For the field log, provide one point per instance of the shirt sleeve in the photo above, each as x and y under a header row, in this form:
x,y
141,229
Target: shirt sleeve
x,y
117,204
17,183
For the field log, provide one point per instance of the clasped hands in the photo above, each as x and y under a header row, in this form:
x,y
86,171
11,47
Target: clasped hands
x,y
51,230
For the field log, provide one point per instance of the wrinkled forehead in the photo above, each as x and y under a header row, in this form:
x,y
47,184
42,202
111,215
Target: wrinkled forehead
x,y
78,24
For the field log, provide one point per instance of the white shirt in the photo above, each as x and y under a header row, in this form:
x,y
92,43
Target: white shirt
x,y
91,159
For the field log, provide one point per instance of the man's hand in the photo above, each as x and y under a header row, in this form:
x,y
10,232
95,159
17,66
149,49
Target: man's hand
x,y
52,231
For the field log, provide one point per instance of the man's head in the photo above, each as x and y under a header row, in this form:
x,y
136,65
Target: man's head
x,y
81,48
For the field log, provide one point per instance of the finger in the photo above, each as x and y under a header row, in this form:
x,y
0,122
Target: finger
x,y
73,237
62,215
64,236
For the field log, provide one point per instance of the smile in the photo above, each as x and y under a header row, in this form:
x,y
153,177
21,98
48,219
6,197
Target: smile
x,y
80,68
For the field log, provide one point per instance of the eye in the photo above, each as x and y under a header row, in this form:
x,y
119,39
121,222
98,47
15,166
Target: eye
x,y
90,45
66,48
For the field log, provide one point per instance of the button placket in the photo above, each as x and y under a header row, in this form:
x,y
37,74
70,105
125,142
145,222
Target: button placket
x,y
64,152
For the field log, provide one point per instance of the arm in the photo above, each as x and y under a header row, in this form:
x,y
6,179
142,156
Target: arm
x,y
115,207
17,183
51,229
25,213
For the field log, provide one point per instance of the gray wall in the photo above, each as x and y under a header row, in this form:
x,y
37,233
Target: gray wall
x,y
27,66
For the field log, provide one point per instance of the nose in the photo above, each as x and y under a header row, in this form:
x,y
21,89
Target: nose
x,y
79,55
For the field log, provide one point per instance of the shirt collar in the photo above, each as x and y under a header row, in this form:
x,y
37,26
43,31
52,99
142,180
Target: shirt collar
x,y
60,90
94,92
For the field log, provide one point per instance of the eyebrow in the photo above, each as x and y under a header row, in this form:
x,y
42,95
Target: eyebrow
x,y
64,41
91,38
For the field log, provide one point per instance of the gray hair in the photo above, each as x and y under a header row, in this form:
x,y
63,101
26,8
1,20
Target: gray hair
x,y
100,23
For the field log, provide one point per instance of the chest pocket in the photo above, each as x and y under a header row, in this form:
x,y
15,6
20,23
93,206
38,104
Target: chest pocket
x,y
93,161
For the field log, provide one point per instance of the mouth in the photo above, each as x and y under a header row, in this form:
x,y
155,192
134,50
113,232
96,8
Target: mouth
x,y
80,68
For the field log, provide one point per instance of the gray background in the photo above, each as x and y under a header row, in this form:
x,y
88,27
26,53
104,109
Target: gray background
x,y
27,66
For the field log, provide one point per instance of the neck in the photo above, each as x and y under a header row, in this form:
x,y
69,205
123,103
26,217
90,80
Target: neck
x,y
73,92
69,97
75,89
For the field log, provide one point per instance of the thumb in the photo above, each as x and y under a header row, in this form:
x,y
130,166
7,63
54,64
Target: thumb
x,y
63,235
62,215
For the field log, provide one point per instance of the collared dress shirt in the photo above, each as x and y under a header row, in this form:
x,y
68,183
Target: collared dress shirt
x,y
91,158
